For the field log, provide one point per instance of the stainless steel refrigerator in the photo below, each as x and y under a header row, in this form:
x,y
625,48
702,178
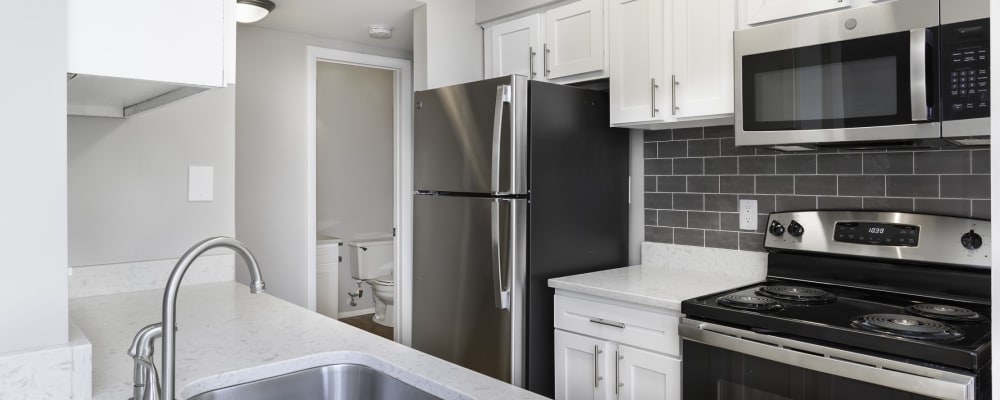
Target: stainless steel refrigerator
x,y
516,182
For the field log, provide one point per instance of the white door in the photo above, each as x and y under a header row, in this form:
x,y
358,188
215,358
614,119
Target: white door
x,y
702,35
574,39
515,48
637,88
645,375
581,367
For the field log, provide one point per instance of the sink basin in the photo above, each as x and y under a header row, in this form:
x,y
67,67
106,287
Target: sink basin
x,y
330,382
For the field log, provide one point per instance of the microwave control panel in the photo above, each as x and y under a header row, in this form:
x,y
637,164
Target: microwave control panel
x,y
965,63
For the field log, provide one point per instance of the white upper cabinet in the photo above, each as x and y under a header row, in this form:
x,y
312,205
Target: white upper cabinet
x,y
564,44
124,51
574,39
514,48
702,57
637,90
671,62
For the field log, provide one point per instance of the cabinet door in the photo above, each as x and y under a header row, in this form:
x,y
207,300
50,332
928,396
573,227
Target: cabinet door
x,y
637,88
515,47
574,39
166,41
702,36
647,376
581,367
761,11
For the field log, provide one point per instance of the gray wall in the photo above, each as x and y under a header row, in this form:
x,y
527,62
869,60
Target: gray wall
x,y
33,171
271,151
694,178
128,180
354,160
447,44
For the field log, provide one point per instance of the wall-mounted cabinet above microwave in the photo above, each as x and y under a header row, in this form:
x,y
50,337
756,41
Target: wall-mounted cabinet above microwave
x,y
895,72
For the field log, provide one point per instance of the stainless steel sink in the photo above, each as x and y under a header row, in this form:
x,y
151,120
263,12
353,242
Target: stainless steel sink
x,y
331,382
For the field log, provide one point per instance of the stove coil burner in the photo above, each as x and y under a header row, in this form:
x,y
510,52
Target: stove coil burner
x,y
798,294
749,302
945,313
908,326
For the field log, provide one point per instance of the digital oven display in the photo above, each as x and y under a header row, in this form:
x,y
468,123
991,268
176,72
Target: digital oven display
x,y
875,233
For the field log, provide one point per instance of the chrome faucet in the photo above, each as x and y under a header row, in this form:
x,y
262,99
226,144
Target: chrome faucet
x,y
144,338
146,383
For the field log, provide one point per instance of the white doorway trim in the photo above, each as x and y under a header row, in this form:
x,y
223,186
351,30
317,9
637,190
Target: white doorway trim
x,y
402,173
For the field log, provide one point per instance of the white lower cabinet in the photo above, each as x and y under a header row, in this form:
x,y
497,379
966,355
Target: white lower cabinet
x,y
614,350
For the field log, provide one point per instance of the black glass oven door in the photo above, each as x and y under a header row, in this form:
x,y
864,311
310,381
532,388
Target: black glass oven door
x,y
854,83
714,373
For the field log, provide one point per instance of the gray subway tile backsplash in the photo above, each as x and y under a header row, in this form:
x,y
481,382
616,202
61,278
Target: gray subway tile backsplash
x,y
699,175
796,164
888,163
689,166
942,162
838,163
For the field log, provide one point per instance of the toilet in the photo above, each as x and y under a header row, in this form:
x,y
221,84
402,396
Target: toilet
x,y
372,262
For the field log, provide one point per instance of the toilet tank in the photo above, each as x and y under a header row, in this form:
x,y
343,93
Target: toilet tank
x,y
371,257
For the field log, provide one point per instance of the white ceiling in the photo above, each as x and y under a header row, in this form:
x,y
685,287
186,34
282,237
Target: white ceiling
x,y
346,20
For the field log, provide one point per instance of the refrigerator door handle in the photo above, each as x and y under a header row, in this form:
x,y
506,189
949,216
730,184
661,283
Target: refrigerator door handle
x,y
501,295
504,95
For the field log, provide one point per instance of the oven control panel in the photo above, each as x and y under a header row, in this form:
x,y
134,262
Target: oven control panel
x,y
879,234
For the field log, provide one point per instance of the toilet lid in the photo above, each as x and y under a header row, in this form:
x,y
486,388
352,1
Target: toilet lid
x,y
385,280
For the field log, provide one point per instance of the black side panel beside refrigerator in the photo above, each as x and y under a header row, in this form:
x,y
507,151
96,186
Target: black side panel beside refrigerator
x,y
578,212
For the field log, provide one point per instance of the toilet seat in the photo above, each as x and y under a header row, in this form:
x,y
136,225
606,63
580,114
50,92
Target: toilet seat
x,y
384,280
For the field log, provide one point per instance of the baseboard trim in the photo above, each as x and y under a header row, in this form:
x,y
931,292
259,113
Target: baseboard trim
x,y
355,313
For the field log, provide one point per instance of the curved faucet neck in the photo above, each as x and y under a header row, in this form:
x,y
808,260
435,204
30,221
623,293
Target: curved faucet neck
x,y
170,299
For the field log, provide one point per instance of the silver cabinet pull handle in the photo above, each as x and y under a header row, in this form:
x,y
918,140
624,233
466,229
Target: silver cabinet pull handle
x,y
545,58
597,378
673,95
652,96
618,379
531,62
608,323
918,74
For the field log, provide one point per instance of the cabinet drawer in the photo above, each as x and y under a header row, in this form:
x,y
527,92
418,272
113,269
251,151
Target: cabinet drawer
x,y
641,328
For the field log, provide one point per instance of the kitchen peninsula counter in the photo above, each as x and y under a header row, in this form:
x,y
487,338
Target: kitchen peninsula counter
x,y
228,336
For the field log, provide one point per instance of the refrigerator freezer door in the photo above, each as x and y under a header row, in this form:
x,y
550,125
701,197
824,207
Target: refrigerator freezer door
x,y
455,282
472,138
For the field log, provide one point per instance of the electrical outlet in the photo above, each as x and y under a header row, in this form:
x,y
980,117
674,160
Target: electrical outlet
x,y
748,215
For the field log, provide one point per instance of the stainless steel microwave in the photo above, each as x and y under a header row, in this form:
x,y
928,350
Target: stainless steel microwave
x,y
899,71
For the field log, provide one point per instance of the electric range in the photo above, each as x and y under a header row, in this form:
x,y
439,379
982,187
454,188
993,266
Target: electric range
x,y
858,305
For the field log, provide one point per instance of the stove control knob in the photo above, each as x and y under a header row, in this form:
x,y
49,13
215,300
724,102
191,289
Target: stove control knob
x,y
971,240
776,228
795,229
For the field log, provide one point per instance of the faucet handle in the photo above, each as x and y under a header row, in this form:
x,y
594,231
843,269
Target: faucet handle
x,y
142,343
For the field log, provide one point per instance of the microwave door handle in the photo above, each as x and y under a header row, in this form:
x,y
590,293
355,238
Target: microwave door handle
x,y
918,75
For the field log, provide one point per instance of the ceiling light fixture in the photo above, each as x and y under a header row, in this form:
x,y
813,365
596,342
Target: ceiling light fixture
x,y
249,11
380,31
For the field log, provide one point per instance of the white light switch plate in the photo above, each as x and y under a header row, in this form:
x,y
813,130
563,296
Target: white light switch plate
x,y
748,215
200,183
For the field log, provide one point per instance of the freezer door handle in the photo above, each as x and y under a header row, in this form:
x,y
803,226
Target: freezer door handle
x,y
501,292
504,95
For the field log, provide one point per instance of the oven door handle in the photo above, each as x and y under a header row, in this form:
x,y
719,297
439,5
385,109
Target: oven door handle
x,y
901,376
918,74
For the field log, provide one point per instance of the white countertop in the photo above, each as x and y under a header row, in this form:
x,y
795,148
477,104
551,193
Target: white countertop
x,y
660,286
228,336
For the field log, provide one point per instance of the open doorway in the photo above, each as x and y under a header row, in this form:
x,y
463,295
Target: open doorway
x,y
359,125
